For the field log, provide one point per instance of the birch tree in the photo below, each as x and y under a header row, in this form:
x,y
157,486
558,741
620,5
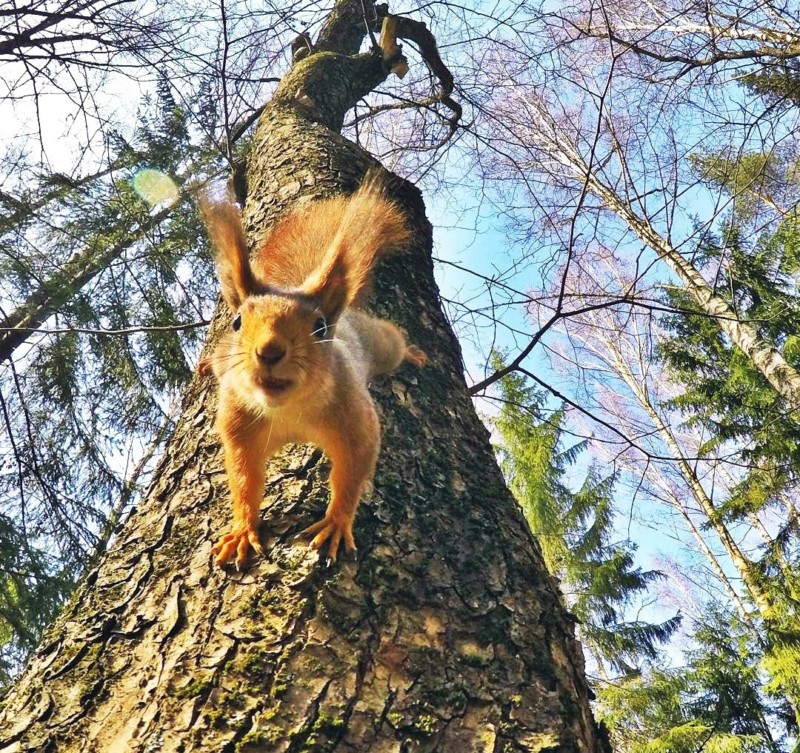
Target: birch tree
x,y
674,466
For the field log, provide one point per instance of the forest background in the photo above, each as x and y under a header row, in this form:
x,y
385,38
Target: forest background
x,y
614,189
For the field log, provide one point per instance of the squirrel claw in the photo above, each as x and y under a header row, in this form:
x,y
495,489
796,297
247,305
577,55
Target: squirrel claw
x,y
237,542
256,544
335,530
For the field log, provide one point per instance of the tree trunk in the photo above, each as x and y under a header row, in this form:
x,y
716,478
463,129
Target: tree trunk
x,y
609,350
446,634
766,359
743,565
23,322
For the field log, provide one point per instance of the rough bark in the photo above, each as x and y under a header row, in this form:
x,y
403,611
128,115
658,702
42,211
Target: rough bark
x,y
446,634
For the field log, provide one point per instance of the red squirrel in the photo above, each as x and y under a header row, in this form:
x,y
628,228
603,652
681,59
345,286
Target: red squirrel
x,y
295,364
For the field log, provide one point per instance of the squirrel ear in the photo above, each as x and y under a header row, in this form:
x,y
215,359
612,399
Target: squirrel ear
x,y
227,238
330,286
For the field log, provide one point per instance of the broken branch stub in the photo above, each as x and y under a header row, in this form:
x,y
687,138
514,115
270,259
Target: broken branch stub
x,y
393,58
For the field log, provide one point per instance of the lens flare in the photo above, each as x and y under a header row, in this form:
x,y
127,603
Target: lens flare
x,y
155,187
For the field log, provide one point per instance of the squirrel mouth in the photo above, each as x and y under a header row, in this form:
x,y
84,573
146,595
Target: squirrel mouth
x,y
273,385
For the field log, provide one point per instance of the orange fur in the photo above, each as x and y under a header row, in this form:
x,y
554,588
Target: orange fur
x,y
307,243
296,368
226,235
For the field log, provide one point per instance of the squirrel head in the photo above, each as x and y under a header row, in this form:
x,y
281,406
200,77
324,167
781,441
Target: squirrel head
x,y
280,340
278,347
313,264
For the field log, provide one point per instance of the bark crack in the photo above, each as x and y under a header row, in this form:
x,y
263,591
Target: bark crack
x,y
304,735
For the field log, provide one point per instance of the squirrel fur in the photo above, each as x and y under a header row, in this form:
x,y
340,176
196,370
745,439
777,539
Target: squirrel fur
x,y
295,365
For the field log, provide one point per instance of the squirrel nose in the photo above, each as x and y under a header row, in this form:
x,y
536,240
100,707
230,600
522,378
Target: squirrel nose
x,y
270,352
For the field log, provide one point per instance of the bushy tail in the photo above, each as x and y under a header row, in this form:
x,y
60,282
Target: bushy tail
x,y
371,225
334,243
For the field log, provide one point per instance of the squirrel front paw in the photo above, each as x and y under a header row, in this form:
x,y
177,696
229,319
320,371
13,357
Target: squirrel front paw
x,y
237,542
335,529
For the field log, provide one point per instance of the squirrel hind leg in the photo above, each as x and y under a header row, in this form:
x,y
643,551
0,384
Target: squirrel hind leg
x,y
386,344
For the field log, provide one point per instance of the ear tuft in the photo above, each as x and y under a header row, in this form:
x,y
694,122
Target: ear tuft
x,y
224,225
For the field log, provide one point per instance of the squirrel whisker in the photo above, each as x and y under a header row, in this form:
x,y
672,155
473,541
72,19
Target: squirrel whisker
x,y
228,356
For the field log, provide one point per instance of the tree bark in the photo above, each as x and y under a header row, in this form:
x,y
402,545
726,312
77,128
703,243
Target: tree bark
x,y
446,634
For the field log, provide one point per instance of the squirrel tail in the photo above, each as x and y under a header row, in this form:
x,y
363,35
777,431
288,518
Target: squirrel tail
x,y
328,248
369,226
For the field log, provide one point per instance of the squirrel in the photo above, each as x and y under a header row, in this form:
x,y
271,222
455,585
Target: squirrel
x,y
295,364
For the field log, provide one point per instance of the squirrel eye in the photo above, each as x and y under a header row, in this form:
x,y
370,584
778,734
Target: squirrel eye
x,y
237,322
320,327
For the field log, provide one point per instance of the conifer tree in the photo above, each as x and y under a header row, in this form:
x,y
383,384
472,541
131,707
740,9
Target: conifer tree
x,y
715,701
576,529
79,406
446,632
